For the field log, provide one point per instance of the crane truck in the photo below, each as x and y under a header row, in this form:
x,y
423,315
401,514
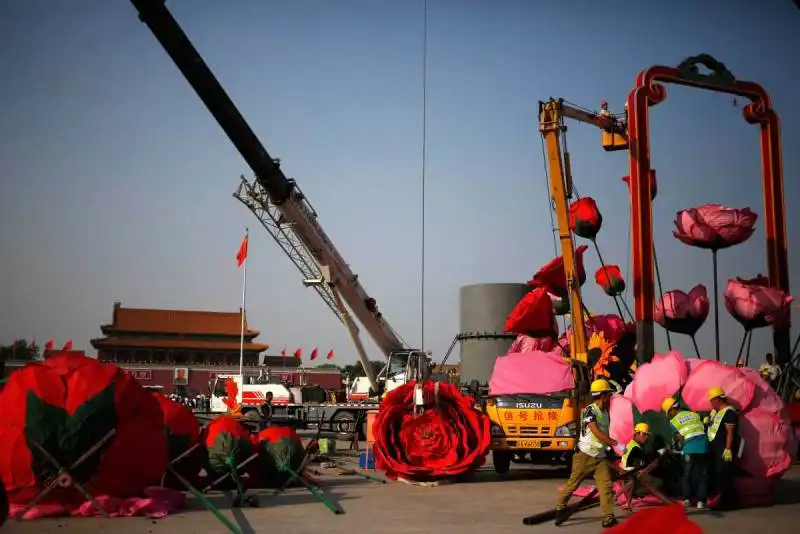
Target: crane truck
x,y
543,428
285,212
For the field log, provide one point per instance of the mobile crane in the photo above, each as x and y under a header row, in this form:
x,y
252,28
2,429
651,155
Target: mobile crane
x,y
545,427
285,212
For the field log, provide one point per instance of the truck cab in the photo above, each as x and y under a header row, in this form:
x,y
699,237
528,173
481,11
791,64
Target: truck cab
x,y
540,429
249,396
401,367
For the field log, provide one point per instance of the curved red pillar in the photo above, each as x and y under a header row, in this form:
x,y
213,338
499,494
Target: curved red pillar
x,y
649,92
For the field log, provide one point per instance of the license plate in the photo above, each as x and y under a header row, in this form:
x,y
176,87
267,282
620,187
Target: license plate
x,y
529,444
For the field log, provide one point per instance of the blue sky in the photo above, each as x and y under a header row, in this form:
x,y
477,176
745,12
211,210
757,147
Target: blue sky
x,y
117,183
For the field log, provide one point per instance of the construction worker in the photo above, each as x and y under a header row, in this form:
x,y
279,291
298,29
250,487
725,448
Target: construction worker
x,y
634,455
690,433
590,458
723,422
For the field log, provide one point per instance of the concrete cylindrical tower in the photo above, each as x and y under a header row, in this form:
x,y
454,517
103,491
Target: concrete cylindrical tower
x,y
483,311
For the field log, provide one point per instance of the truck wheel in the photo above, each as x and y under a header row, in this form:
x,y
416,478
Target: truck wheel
x,y
502,461
344,423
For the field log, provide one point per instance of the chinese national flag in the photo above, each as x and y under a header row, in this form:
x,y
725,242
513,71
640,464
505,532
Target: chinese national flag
x,y
283,353
49,344
314,353
67,345
241,256
330,354
298,354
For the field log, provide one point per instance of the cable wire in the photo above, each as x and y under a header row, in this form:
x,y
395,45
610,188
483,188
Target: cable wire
x,y
424,163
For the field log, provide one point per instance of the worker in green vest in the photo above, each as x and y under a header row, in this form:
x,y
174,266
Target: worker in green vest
x,y
590,458
691,437
722,439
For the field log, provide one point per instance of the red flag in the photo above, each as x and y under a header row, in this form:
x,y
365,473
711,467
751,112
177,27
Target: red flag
x,y
241,256
298,354
330,354
49,344
283,352
314,353
67,345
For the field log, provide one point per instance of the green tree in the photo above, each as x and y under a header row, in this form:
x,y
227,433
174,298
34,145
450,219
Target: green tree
x,y
20,349
328,366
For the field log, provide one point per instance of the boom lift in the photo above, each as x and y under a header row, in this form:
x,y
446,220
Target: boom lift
x,y
545,427
283,209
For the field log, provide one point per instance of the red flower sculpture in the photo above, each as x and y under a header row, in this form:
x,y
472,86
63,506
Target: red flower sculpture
x,y
754,304
552,276
449,439
68,404
713,226
533,315
183,431
585,219
610,279
653,184
683,313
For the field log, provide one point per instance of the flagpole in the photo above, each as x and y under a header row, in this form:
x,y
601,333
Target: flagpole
x,y
244,295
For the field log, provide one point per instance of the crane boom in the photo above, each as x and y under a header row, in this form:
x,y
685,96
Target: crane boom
x,y
551,125
272,196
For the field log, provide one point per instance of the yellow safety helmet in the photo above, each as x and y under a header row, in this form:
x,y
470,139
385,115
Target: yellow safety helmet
x,y
642,428
600,386
668,403
716,393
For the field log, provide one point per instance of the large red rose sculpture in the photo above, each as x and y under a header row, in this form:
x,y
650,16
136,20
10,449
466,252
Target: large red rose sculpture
x,y
450,438
67,405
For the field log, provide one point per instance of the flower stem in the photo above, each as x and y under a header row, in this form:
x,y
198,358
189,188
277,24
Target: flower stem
x,y
747,357
716,306
741,346
661,291
627,309
696,349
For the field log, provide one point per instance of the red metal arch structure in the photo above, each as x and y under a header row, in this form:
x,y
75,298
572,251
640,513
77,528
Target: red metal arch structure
x,y
650,91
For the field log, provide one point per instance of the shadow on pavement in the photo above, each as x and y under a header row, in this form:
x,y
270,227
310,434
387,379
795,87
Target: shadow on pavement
x,y
530,472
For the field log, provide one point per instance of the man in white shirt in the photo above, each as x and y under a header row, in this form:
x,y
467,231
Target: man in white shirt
x,y
769,371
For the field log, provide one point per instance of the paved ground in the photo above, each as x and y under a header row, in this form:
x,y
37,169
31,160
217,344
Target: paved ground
x,y
490,504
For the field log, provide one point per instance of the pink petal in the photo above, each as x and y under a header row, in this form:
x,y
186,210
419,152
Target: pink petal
x,y
655,381
621,415
765,435
709,374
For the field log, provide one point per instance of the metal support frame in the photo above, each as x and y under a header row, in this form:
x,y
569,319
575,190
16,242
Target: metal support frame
x,y
255,197
64,476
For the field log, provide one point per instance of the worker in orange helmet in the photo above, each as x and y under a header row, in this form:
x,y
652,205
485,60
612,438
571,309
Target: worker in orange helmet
x,y
723,422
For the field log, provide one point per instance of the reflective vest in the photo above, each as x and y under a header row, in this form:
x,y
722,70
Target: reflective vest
x,y
716,421
628,449
588,442
688,424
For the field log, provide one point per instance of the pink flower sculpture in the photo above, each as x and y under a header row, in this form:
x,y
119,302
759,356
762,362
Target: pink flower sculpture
x,y
525,343
713,226
683,313
768,445
754,304
612,326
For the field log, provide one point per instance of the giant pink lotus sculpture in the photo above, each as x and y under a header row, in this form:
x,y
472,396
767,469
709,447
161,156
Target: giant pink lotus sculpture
x,y
769,444
714,227
683,313
755,305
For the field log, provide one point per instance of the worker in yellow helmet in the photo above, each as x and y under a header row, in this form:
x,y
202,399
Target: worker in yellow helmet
x,y
634,455
589,459
722,439
691,437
